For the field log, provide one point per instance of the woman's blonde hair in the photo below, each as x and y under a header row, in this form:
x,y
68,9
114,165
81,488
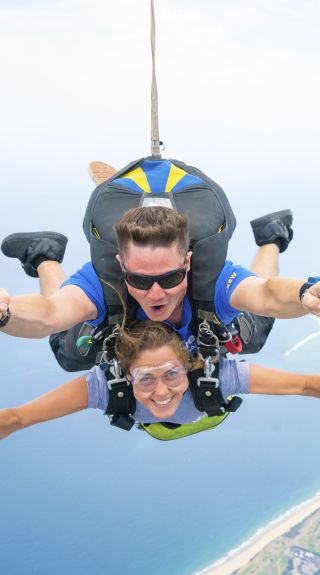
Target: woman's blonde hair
x,y
143,335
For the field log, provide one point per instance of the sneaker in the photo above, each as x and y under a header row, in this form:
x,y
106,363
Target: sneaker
x,y
31,246
273,228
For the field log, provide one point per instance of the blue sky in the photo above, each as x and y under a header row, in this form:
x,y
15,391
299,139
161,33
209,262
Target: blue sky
x,y
238,97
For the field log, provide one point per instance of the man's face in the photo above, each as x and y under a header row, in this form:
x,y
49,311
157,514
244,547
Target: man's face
x,y
159,304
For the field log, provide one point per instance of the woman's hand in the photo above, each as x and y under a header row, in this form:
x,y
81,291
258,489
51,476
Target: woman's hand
x,y
64,400
9,422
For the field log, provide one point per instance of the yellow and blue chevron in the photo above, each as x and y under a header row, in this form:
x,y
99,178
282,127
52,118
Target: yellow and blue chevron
x,y
157,177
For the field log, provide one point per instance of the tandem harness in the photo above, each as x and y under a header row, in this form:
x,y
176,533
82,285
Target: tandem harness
x,y
206,395
185,189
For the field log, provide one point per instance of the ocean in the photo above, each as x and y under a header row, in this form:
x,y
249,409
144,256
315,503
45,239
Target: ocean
x,y
80,497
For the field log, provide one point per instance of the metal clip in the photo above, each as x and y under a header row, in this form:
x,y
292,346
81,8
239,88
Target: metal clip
x,y
208,380
209,367
118,376
204,329
107,354
111,338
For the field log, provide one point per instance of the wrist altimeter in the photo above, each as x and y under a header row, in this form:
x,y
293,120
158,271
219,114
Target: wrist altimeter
x,y
5,318
311,281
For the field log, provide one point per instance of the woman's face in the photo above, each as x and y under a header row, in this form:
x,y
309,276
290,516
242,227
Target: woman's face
x,y
159,381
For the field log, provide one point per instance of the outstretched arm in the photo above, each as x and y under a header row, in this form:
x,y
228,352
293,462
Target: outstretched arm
x,y
64,400
270,381
37,316
275,297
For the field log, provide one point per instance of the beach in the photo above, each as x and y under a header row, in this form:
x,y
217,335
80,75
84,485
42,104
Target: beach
x,y
240,556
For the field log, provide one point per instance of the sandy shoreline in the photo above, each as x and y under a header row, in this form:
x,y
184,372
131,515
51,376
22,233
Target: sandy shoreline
x,y
240,556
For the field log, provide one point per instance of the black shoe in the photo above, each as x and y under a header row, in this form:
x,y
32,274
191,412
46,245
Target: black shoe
x,y
273,228
31,246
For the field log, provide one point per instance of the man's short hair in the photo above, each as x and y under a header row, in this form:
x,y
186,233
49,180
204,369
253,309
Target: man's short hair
x,y
153,225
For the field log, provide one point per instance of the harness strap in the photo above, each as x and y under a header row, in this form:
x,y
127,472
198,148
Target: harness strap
x,y
207,394
205,391
122,402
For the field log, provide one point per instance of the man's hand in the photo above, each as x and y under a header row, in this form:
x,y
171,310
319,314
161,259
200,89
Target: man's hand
x,y
311,299
4,302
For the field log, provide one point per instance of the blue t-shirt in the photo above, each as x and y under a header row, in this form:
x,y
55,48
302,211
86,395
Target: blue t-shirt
x,y
233,379
230,276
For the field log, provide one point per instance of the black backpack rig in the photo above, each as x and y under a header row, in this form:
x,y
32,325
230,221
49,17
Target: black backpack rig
x,y
173,184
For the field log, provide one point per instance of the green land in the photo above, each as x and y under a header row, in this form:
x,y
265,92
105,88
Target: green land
x,y
295,552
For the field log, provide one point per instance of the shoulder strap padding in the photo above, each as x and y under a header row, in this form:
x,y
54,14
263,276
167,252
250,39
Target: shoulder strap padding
x,y
103,211
212,223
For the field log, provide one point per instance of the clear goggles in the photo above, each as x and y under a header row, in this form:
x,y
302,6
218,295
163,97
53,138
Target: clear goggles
x,y
146,378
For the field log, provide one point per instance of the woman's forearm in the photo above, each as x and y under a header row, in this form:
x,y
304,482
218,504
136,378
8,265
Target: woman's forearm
x,y
9,422
270,381
64,400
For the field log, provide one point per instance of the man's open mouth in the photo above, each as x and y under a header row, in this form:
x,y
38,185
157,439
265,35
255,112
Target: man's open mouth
x,y
157,309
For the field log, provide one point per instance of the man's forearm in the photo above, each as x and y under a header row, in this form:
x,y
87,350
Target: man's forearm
x,y
274,297
31,316
37,316
282,298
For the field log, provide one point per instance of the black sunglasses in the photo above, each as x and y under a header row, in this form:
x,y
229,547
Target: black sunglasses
x,y
165,281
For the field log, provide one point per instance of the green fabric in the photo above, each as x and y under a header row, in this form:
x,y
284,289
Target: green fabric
x,y
160,431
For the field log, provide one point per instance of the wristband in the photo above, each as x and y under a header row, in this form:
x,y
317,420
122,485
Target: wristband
x,y
311,281
5,318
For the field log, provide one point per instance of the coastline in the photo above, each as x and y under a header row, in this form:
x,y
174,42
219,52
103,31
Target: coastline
x,y
240,556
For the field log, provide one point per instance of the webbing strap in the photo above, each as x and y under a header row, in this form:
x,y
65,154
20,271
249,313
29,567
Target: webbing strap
x,y
121,402
155,142
207,395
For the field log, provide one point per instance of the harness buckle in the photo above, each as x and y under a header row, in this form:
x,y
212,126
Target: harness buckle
x,y
107,355
113,382
118,377
204,379
207,378
209,367
207,342
207,387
